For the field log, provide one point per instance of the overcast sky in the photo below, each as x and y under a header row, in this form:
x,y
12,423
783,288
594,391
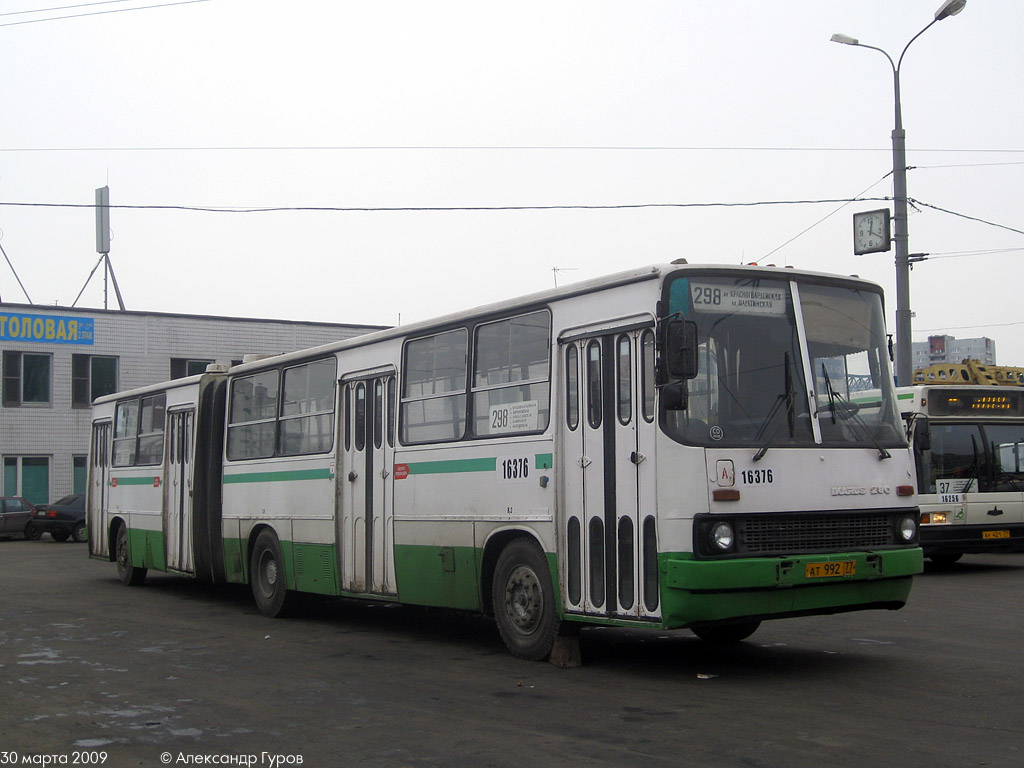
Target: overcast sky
x,y
248,104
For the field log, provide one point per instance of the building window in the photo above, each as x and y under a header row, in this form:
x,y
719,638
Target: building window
x,y
26,378
182,367
80,475
91,377
27,476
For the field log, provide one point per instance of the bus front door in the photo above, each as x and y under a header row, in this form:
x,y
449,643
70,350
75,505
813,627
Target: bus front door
x,y
608,530
178,492
366,516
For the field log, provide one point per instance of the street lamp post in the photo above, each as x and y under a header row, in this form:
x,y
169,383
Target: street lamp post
x,y
904,341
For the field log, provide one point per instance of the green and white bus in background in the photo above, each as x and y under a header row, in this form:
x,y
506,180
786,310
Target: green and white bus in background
x,y
968,443
669,447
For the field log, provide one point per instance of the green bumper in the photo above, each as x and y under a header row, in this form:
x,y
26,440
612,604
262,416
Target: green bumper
x,y
695,591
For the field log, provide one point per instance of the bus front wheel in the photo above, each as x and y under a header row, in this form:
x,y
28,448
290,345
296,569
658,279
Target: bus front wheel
x,y
524,601
130,575
267,576
726,633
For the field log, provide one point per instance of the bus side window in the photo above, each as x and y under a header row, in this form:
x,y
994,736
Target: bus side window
x,y
433,407
307,408
572,387
347,417
624,363
151,430
378,413
359,422
647,371
511,375
252,416
595,388
126,428
392,413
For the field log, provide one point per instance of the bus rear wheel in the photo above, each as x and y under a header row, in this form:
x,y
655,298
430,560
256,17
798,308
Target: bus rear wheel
x,y
945,559
524,601
267,576
130,575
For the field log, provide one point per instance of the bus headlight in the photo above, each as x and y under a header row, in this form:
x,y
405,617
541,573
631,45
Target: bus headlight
x,y
721,536
906,528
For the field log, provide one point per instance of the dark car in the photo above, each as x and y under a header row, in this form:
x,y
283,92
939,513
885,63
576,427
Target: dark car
x,y
15,514
61,520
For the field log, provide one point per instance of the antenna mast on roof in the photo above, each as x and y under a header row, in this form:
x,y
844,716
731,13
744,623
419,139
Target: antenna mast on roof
x,y
103,248
14,271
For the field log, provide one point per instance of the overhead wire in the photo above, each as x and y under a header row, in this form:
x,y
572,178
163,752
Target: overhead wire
x,y
447,208
823,218
487,148
99,13
63,7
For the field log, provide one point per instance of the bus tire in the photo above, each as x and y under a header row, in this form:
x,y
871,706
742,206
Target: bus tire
x,y
130,575
267,578
524,601
726,634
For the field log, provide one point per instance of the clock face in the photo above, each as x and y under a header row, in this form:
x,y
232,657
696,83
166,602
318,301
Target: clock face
x,y
871,231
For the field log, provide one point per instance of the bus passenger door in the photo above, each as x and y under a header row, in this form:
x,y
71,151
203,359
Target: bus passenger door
x,y
97,517
178,492
608,531
367,509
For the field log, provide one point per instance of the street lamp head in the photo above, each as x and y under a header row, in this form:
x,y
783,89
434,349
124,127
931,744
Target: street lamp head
x,y
846,39
949,8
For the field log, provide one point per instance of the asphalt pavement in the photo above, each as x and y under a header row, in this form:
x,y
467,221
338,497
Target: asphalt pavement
x,y
180,673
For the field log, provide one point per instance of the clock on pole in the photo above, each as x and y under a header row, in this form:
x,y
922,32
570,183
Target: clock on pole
x,y
871,232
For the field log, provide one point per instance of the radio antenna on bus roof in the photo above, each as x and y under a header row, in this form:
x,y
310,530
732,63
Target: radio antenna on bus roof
x,y
556,270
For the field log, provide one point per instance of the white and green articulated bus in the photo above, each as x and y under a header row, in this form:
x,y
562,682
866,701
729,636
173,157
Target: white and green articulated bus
x,y
668,447
969,446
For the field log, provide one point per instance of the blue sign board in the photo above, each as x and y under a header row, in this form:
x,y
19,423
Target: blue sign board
x,y
47,329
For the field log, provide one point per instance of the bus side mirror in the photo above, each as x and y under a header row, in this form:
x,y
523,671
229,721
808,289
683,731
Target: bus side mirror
x,y
922,434
674,396
681,349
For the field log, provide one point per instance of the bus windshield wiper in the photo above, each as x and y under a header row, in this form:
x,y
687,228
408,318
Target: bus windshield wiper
x,y
787,398
848,410
974,476
830,392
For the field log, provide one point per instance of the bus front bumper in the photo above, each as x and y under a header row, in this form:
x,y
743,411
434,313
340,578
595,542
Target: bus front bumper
x,y
972,539
696,591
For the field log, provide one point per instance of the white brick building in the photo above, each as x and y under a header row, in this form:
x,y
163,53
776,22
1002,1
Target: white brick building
x,y
55,360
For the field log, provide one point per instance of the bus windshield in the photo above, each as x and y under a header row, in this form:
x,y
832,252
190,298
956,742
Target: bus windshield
x,y
970,456
781,364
